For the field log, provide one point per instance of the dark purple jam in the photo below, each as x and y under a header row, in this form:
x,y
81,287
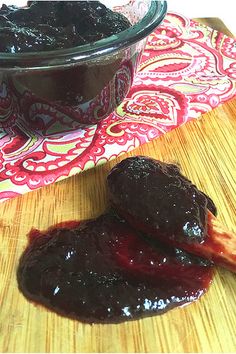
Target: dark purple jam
x,y
103,271
49,25
156,198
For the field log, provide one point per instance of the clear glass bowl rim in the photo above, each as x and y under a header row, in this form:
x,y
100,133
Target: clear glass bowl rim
x,y
87,52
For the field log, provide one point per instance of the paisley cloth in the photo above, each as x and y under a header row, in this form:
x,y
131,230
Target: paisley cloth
x,y
186,70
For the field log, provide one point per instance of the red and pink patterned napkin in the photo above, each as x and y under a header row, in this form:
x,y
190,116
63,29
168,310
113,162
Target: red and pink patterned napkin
x,y
187,69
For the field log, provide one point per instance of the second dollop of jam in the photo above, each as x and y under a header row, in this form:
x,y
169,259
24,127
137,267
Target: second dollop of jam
x,y
49,25
104,271
157,199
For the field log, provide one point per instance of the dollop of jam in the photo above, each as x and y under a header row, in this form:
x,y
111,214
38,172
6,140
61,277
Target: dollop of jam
x,y
156,198
49,25
102,270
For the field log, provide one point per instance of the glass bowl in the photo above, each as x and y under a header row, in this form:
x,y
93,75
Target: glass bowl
x,y
58,91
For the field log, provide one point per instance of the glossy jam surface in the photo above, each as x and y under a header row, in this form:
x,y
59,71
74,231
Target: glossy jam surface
x,y
104,271
49,25
157,199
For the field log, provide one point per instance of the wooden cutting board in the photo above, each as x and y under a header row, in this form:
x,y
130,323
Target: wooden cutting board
x,y
205,149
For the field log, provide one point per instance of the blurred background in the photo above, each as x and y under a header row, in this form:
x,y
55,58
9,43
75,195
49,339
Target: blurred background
x,y
207,8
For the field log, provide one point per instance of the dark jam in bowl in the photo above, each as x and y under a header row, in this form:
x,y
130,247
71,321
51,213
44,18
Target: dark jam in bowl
x,y
45,26
59,98
101,270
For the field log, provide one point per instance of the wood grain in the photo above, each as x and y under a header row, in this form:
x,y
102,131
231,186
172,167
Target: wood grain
x,y
205,149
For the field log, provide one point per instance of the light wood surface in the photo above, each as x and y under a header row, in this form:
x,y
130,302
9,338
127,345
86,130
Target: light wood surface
x,y
205,148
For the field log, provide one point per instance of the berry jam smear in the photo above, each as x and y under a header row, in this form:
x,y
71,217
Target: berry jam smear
x,y
157,199
49,25
102,270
